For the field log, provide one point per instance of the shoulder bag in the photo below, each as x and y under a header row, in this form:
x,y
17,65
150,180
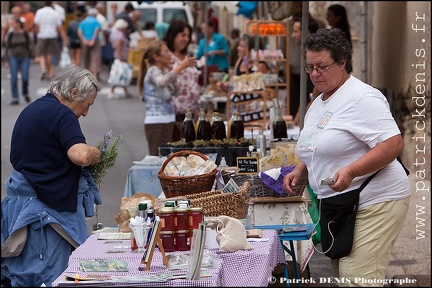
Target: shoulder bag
x,y
337,221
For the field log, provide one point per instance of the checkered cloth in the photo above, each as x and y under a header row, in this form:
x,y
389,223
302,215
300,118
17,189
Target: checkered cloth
x,y
238,269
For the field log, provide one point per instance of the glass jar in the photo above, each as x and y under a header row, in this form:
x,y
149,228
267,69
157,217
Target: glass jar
x,y
182,240
166,215
218,130
196,216
203,127
236,126
168,240
181,218
188,128
279,125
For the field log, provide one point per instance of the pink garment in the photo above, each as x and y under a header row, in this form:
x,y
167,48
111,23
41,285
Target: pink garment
x,y
189,89
113,37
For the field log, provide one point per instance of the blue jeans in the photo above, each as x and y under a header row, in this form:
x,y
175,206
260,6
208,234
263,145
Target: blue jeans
x,y
22,64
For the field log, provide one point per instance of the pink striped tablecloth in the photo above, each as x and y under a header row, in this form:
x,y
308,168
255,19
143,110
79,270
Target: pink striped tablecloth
x,y
241,268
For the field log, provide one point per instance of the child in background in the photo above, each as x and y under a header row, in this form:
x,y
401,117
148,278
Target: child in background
x,y
156,85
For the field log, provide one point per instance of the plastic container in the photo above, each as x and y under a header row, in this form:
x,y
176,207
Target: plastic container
x,y
195,217
182,240
168,240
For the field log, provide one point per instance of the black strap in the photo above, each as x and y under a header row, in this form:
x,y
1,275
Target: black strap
x,y
367,181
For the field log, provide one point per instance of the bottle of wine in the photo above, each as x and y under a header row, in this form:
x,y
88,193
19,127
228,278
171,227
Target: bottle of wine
x,y
279,125
188,128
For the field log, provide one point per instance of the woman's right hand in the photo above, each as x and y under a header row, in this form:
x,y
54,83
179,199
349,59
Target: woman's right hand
x,y
292,179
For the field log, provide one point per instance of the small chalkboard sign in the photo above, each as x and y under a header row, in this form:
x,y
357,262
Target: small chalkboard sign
x,y
247,165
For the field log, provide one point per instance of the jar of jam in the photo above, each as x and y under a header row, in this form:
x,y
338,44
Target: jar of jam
x,y
182,240
166,215
195,217
168,240
181,218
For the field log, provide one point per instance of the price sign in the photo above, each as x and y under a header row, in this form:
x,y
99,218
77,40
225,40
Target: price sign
x,y
247,165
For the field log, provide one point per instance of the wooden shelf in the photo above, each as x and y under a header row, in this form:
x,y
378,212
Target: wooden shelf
x,y
280,31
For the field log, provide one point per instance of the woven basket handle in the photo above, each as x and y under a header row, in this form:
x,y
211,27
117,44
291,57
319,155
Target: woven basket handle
x,y
181,153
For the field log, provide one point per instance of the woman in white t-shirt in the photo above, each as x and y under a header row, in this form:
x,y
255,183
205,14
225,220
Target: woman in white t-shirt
x,y
349,133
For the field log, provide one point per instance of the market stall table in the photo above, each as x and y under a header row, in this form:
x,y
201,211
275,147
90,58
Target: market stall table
x,y
241,268
142,177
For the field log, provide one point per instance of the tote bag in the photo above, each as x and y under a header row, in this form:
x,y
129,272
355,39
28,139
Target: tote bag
x,y
65,59
120,73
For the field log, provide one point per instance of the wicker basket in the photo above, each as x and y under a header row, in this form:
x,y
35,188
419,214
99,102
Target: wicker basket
x,y
257,187
216,202
174,186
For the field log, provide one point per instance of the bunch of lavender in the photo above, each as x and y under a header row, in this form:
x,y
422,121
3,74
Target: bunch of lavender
x,y
108,157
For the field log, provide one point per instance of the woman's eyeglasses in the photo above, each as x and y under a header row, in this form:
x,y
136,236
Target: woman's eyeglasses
x,y
320,69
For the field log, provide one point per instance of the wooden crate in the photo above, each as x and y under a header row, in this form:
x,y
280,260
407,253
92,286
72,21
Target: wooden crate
x,y
134,57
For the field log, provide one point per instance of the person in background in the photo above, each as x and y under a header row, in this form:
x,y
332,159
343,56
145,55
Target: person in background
x,y
135,16
19,47
233,43
74,40
149,31
103,34
311,92
28,15
243,64
45,190
357,117
88,31
337,18
48,27
112,18
120,43
217,48
177,39
157,84
125,15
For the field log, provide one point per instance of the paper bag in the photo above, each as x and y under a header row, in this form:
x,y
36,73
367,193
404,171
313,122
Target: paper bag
x,y
128,208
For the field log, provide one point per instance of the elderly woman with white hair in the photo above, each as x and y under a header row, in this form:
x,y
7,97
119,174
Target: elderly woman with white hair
x,y
120,43
88,32
48,192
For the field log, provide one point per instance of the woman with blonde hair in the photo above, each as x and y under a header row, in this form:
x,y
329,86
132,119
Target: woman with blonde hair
x,y
157,83
120,44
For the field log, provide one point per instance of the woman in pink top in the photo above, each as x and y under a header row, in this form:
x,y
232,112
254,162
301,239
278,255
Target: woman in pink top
x,y
178,38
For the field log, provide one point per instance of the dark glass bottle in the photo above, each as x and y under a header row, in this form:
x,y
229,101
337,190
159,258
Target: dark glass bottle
x,y
218,127
279,125
236,126
188,128
203,127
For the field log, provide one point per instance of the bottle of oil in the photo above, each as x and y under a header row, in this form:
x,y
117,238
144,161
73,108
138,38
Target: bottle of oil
x,y
236,126
188,128
218,127
279,125
203,126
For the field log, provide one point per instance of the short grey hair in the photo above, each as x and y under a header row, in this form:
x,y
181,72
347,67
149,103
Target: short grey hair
x,y
92,12
75,77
